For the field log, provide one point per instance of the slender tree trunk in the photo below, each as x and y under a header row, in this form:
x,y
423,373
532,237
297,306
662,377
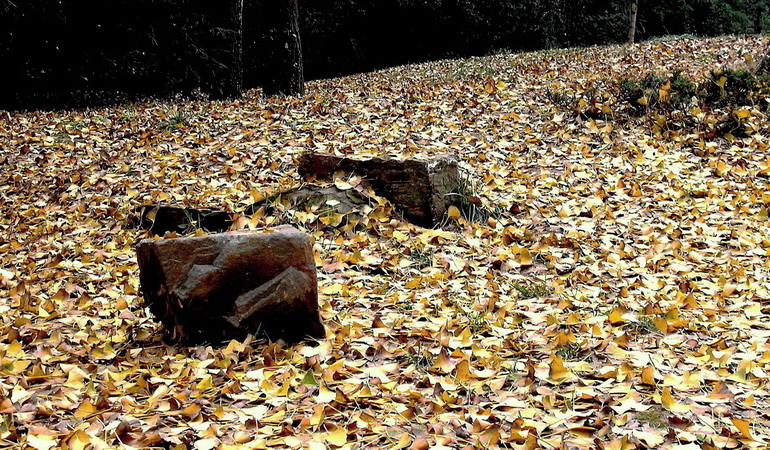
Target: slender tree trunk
x,y
633,9
225,80
295,82
206,51
234,85
273,47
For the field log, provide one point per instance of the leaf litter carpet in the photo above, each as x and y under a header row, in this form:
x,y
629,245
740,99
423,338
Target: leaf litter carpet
x,y
619,299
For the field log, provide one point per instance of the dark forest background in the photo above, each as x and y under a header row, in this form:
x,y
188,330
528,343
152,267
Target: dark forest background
x,y
52,48
344,36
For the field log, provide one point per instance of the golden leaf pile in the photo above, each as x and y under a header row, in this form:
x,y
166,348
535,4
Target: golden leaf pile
x,y
620,300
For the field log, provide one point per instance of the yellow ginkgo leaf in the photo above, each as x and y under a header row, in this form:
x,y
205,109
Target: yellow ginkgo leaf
x,y
721,82
743,113
556,370
337,437
648,376
671,404
743,426
525,257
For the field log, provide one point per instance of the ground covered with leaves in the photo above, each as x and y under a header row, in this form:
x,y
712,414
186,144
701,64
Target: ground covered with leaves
x,y
617,298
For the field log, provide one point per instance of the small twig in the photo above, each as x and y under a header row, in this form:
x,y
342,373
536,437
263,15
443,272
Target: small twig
x,y
282,113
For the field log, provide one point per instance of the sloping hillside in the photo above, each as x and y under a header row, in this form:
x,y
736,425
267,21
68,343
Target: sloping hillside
x,y
618,299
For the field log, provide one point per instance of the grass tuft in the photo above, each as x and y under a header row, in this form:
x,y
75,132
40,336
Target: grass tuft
x,y
532,290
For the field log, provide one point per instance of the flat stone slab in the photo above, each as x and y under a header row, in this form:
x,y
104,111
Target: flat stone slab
x,y
222,286
421,189
332,207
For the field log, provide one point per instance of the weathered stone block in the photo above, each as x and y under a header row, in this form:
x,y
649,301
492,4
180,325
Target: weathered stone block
x,y
420,189
222,286
332,207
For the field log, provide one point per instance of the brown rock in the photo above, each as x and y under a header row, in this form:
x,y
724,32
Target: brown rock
x,y
421,189
222,286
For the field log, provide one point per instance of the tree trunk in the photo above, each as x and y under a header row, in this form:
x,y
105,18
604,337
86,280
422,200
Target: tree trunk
x,y
273,47
234,84
221,68
633,9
